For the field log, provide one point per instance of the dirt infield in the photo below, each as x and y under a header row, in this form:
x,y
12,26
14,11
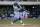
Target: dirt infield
x,y
14,25
32,26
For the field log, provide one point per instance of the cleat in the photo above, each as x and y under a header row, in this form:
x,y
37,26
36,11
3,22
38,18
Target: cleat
x,y
11,22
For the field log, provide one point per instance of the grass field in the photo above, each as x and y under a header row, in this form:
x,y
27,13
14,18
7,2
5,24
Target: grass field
x,y
27,21
30,21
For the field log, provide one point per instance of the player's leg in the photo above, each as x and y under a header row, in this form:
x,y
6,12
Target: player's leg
x,y
16,18
21,21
